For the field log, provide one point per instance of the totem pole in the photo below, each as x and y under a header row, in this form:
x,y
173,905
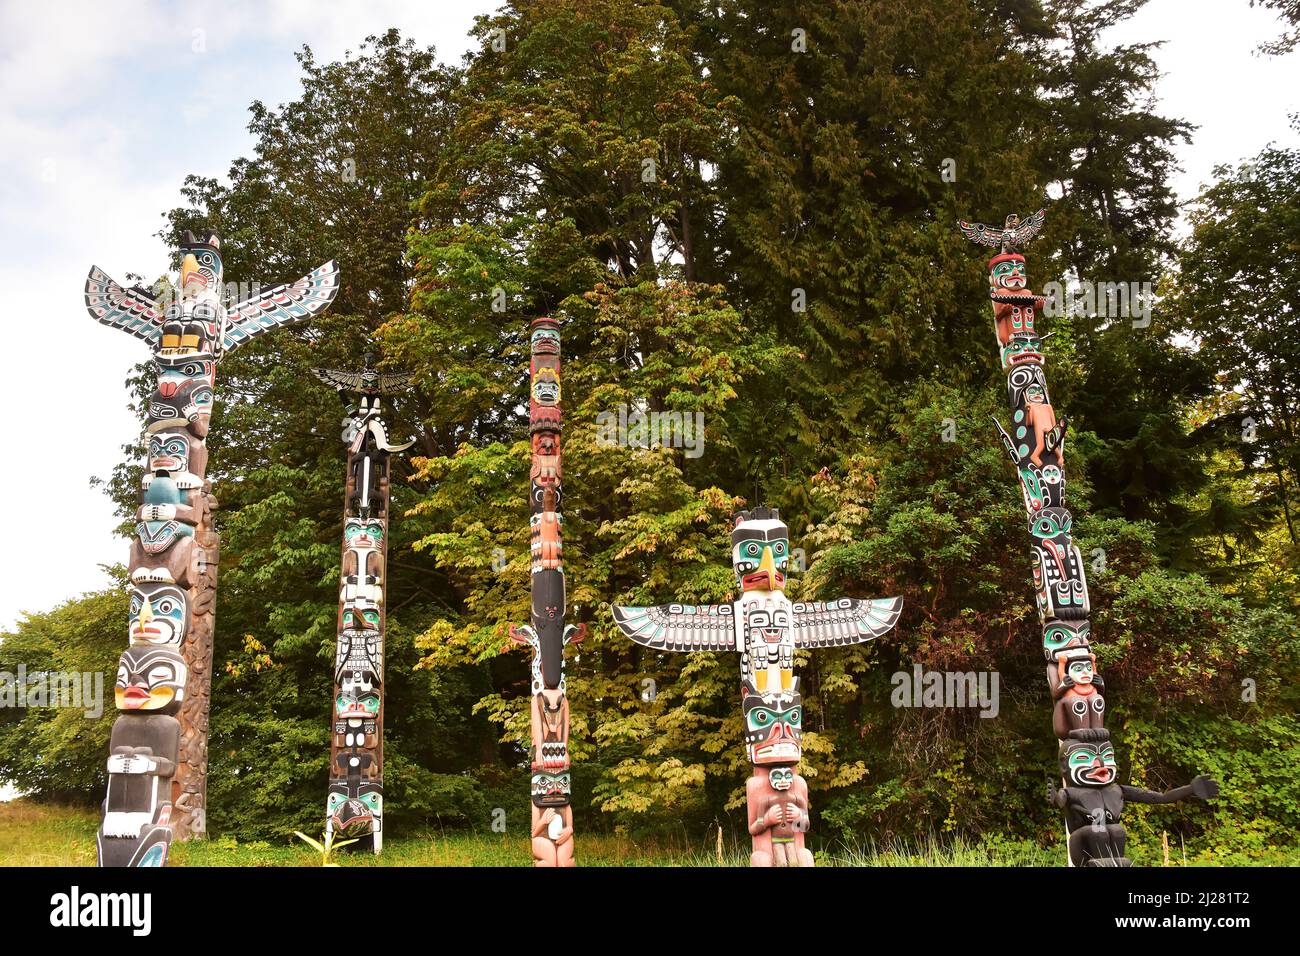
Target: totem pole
x,y
551,828
355,805
1091,799
159,745
765,628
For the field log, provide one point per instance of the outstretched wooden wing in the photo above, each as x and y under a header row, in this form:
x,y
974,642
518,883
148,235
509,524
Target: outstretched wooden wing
x,y
381,382
680,627
845,621
1028,227
346,381
282,305
130,310
978,232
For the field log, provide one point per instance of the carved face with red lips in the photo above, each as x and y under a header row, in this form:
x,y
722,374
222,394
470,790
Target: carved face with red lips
x,y
1080,668
184,395
1089,763
159,614
357,698
760,550
545,339
170,452
773,727
363,533
1007,271
150,678
551,789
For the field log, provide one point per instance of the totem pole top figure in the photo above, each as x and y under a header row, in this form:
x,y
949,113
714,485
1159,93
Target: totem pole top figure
x,y
365,414
194,325
1014,234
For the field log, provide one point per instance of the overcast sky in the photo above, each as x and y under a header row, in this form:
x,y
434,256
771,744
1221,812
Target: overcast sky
x,y
104,108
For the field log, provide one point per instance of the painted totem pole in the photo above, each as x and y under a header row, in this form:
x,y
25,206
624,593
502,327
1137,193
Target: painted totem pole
x,y
157,764
1092,801
551,827
766,629
355,805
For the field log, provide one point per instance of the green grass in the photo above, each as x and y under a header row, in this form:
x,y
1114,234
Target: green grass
x,y
33,834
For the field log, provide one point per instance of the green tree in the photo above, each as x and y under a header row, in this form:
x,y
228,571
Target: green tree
x,y
1235,293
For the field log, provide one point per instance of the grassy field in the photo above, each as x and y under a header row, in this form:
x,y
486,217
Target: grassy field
x,y
39,835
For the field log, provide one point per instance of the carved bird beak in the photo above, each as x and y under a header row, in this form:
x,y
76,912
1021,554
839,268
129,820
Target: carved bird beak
x,y
189,267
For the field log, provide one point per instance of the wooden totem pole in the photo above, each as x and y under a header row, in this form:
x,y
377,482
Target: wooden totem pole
x,y
1092,801
765,628
551,828
157,764
355,805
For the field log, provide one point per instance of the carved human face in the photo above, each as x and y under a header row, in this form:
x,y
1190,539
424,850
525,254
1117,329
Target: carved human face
x,y
545,342
358,698
760,554
1081,671
546,387
781,778
363,533
169,451
150,678
551,789
773,727
1088,763
1059,635
159,614
1008,274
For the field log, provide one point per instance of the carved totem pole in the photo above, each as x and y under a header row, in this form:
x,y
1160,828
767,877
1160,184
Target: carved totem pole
x,y
355,806
551,828
157,765
766,629
1092,801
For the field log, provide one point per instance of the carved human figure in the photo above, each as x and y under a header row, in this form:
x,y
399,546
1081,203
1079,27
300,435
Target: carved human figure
x,y
1094,803
1015,307
1077,689
777,801
136,826
552,819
